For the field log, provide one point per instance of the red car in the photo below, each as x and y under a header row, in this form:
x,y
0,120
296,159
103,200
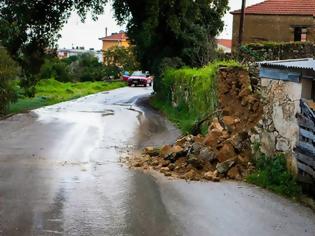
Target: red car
x,y
125,76
140,78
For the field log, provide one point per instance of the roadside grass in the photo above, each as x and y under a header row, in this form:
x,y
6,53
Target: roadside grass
x,y
180,117
272,173
50,91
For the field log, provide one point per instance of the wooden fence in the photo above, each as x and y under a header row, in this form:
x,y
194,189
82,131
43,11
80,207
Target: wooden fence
x,y
305,150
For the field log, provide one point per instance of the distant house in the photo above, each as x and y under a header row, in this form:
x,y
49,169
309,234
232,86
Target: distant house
x,y
277,21
66,53
225,45
115,39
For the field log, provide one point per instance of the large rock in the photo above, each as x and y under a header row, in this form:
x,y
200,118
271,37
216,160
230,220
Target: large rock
x,y
176,152
234,173
282,145
212,138
192,175
224,167
226,152
152,151
207,155
195,161
267,143
211,176
165,151
196,148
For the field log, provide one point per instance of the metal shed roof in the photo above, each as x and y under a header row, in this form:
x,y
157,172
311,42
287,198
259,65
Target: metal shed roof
x,y
304,63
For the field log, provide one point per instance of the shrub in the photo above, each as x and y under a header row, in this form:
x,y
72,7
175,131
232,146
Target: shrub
x,y
56,69
272,173
8,73
189,94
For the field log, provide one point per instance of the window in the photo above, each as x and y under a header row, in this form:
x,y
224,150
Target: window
x,y
300,34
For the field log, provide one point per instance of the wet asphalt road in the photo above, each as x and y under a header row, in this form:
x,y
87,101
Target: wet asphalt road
x,y
60,175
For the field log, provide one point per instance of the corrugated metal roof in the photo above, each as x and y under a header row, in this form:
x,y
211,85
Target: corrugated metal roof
x,y
304,63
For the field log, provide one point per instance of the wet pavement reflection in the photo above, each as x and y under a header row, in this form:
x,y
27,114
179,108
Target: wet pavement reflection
x,y
60,175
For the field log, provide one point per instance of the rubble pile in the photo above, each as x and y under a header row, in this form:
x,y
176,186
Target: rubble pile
x,y
225,151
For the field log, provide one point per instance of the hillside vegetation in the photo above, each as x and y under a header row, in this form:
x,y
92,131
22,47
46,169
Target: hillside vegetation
x,y
188,95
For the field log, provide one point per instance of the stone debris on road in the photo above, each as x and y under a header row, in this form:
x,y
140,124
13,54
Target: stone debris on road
x,y
225,152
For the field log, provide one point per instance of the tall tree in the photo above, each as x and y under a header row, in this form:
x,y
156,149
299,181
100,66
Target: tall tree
x,y
29,27
172,28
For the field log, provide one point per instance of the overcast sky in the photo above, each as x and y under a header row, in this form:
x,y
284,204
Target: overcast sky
x,y
86,34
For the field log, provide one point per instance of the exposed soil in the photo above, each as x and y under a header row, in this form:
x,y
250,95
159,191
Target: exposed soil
x,y
225,152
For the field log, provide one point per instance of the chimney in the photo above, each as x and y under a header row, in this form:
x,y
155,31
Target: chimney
x,y
106,32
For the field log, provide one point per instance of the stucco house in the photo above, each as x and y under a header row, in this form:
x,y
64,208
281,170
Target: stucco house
x,y
277,21
114,40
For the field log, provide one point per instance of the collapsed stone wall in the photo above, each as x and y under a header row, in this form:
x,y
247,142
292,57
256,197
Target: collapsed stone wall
x,y
278,129
225,151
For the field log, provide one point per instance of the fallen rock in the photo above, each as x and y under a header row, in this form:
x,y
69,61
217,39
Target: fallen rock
x,y
224,167
171,166
165,151
191,175
234,173
176,152
155,163
196,147
152,151
229,120
195,162
211,177
207,155
165,163
226,152
138,164
215,125
164,169
212,138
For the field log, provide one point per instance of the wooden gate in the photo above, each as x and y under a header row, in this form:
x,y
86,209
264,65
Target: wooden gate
x,y
305,150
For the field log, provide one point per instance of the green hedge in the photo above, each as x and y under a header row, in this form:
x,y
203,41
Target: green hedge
x,y
187,95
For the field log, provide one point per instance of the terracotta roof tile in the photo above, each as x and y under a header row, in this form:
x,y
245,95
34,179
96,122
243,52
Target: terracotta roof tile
x,y
282,7
116,37
225,42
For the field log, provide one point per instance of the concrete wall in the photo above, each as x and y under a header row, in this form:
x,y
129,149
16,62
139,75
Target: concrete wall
x,y
277,28
278,130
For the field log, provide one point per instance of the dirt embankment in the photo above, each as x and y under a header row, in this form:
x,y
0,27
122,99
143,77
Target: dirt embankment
x,y
225,151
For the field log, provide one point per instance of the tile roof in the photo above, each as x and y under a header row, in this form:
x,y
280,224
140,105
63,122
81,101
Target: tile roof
x,y
122,36
282,7
225,42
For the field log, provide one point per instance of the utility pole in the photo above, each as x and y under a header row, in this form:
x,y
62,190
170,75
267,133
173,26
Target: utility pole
x,y
241,30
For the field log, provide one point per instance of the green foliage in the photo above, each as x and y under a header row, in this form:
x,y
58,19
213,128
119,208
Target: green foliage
x,y
84,67
50,91
168,29
188,95
87,68
28,28
272,173
121,57
8,73
57,69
